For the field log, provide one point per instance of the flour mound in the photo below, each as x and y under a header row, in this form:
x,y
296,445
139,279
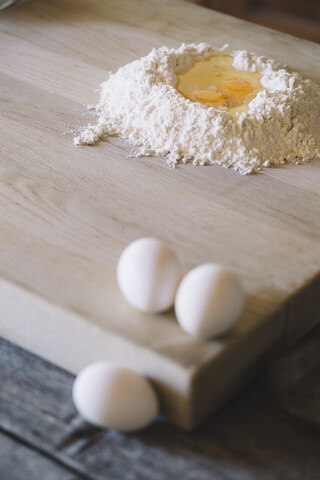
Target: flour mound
x,y
140,104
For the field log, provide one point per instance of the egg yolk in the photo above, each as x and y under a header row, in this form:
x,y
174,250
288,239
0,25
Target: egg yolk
x,y
236,89
210,96
215,82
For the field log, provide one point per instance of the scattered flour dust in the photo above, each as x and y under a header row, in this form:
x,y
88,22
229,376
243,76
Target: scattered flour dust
x,y
140,104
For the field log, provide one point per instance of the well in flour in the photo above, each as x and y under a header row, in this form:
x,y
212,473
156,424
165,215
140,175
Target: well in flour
x,y
215,82
239,122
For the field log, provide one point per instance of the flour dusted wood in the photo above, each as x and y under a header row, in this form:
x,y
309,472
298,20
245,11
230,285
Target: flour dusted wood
x,y
141,104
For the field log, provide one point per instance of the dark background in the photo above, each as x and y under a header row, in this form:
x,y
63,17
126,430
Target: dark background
x,y
299,18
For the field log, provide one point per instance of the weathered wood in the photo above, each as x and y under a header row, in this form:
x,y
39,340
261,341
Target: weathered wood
x,y
251,438
66,213
295,381
20,462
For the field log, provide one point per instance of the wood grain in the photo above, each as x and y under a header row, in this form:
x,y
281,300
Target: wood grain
x,y
252,437
20,461
66,213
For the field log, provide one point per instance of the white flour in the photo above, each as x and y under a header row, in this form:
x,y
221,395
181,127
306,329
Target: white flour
x,y
140,104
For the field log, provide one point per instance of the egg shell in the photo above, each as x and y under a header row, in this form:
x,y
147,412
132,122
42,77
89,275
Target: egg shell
x,y
209,301
115,397
148,275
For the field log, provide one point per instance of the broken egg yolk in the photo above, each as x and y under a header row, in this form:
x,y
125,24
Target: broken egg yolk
x,y
215,82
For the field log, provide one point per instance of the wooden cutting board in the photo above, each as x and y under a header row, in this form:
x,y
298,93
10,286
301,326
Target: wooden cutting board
x,y
66,213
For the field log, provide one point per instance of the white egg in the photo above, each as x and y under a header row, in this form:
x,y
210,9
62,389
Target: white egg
x,y
209,300
148,275
114,397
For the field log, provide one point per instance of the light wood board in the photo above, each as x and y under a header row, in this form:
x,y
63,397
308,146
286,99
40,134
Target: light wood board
x,y
66,213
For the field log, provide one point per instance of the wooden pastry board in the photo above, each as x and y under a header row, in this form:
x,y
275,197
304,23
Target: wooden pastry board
x,y
66,213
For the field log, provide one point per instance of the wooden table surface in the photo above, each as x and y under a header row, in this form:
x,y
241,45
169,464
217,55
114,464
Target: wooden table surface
x,y
54,194
66,214
42,437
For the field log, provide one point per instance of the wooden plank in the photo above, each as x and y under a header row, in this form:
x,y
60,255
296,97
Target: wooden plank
x,y
66,213
250,438
19,461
